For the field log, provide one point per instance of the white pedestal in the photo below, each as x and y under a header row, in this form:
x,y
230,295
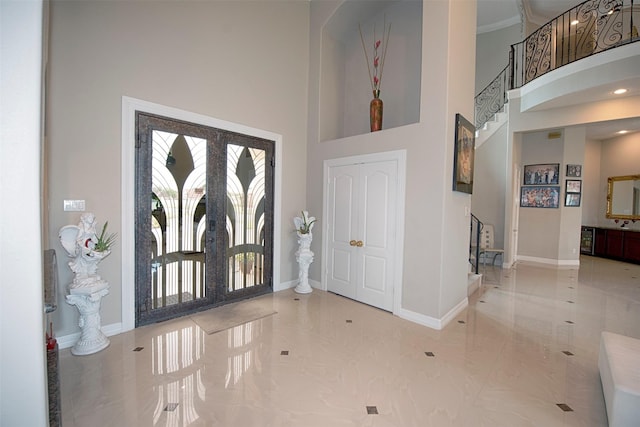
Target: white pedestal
x,y
87,299
304,257
303,288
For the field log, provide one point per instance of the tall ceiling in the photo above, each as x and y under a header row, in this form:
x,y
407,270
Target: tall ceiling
x,y
497,14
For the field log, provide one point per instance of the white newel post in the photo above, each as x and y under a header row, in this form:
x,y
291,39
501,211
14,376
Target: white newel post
x,y
304,255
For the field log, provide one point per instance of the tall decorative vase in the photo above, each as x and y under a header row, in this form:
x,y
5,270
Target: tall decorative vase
x,y
375,111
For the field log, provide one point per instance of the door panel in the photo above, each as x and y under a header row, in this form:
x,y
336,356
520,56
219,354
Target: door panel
x,y
204,203
361,206
247,234
342,270
377,215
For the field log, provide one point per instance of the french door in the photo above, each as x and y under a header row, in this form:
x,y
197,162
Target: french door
x,y
362,225
204,217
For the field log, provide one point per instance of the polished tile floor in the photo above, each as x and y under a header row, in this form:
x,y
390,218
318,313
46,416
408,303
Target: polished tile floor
x,y
524,349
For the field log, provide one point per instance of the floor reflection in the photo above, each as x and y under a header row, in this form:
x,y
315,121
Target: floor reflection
x,y
527,342
176,354
240,360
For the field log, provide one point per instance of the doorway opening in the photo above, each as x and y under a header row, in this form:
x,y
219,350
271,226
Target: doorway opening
x,y
204,217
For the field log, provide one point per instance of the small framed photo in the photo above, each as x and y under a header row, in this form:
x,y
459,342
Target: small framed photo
x,y
573,186
463,155
572,199
574,171
539,196
543,174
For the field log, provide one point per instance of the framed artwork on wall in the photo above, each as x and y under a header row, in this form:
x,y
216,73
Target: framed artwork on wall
x,y
572,199
573,186
539,196
574,171
542,174
465,141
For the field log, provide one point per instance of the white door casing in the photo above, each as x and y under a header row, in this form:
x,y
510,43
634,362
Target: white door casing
x,y
515,212
364,200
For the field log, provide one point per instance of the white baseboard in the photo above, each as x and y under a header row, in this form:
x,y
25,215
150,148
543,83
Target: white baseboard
x,y
432,322
550,261
285,285
67,341
293,283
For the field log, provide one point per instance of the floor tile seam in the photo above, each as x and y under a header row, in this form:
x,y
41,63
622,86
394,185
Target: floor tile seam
x,y
489,373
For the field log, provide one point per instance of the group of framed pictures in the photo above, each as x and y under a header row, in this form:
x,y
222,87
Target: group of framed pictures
x,y
541,187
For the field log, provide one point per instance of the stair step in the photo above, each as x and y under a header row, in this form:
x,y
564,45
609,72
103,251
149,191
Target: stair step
x,y
474,282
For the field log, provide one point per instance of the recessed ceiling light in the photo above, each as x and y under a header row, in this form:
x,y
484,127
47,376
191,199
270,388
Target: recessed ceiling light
x,y
622,132
620,91
575,22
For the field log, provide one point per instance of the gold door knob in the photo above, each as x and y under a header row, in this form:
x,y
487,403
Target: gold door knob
x,y
353,243
359,243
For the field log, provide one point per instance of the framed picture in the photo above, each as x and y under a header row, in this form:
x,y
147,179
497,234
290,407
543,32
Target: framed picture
x,y
574,171
539,196
543,174
463,155
572,199
573,186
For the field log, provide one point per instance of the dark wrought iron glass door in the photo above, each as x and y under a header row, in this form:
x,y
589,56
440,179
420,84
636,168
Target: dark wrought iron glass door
x,y
204,203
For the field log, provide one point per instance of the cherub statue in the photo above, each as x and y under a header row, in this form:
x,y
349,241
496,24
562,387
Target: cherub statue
x,y
80,243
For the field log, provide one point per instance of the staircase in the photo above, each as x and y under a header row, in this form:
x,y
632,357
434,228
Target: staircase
x,y
491,126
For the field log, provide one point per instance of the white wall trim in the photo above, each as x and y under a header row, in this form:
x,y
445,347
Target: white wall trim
x,y
400,156
293,283
432,322
67,341
129,108
549,261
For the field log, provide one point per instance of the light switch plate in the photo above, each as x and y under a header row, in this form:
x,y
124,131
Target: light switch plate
x,y
74,205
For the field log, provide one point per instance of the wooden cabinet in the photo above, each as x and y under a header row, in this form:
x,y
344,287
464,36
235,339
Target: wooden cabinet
x,y
600,247
623,245
632,247
615,243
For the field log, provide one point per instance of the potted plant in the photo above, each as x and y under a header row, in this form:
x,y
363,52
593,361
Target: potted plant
x,y
105,241
304,224
246,261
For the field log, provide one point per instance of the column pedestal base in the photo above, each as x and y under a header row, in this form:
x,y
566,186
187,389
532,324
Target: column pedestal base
x,y
92,339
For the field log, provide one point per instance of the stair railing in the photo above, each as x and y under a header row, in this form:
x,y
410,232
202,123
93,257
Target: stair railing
x,y
476,227
589,28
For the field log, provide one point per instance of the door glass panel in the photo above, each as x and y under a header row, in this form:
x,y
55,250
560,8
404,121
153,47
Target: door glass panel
x,y
178,209
245,217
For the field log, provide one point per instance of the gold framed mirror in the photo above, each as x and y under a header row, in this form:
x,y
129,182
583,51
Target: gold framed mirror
x,y
623,197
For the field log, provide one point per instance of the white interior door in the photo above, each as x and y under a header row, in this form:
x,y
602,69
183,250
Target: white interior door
x,y
362,223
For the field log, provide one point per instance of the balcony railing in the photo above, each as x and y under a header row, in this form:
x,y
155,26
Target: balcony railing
x,y
592,27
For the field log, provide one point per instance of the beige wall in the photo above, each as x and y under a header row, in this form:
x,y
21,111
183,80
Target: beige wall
x,y
539,228
492,53
242,62
436,228
619,156
548,234
591,183
490,183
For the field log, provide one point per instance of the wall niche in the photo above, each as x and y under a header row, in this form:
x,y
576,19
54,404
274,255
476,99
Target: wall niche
x,y
345,88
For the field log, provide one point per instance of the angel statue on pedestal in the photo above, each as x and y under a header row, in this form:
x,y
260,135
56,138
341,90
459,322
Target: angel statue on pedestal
x,y
304,256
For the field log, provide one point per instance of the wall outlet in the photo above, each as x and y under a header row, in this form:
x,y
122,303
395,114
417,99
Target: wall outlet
x,y
74,205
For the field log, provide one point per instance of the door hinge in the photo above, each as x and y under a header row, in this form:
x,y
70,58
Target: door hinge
x,y
273,162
